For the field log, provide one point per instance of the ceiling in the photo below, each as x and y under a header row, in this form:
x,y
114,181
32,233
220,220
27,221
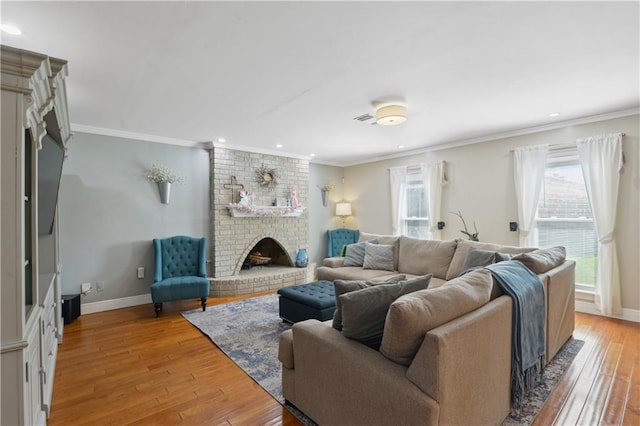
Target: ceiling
x,y
260,74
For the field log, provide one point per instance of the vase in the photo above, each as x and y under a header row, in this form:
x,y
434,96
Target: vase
x,y
302,258
165,192
324,197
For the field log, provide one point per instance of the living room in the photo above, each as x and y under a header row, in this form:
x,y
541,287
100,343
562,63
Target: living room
x,y
109,211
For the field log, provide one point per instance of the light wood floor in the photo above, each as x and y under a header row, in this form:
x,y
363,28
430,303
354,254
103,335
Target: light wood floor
x,y
127,367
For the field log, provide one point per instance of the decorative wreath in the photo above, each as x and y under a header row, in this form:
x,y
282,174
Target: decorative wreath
x,y
266,177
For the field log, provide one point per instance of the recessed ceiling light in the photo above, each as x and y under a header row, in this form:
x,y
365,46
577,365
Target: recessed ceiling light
x,y
279,145
10,29
400,146
312,155
222,140
554,114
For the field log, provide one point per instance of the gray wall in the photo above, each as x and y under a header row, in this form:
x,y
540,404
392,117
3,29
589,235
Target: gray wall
x,y
322,218
481,186
110,212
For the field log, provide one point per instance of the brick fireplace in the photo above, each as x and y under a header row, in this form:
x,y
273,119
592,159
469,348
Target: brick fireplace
x,y
233,239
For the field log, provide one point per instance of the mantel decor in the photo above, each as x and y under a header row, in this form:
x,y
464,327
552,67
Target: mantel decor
x,y
246,210
267,177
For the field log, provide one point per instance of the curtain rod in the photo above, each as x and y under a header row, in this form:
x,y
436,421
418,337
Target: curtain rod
x,y
567,144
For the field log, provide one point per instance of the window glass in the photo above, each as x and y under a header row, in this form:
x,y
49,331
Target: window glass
x,y
565,217
416,215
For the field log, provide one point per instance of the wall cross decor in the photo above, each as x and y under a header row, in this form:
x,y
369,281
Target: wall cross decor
x,y
235,188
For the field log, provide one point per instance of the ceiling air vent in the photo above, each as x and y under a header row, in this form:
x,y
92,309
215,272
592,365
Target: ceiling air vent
x,y
364,117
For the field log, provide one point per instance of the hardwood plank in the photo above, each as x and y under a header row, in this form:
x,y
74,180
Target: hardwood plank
x,y
128,367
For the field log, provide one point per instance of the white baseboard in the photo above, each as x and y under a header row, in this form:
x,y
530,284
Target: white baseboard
x,y
590,308
107,305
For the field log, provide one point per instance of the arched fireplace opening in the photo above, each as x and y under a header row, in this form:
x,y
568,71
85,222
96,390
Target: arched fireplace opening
x,y
267,252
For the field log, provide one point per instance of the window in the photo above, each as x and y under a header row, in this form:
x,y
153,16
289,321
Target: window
x,y
564,215
416,217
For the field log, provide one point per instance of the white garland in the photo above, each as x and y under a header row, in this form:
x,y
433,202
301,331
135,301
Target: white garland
x,y
263,211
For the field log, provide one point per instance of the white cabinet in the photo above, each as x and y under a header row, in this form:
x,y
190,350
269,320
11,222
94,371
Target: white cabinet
x,y
34,111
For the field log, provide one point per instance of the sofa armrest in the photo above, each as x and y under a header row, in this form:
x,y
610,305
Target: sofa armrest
x,y
333,262
465,365
338,379
560,300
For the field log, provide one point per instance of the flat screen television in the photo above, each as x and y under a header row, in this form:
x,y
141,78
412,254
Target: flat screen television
x,y
50,159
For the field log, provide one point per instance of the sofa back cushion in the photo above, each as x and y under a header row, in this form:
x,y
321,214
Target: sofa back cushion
x,y
411,316
392,240
364,311
462,249
542,260
419,257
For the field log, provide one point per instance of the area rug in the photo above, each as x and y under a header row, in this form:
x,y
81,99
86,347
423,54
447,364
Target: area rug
x,y
248,332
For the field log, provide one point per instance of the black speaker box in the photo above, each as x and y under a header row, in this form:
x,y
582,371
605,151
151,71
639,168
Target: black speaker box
x,y
70,307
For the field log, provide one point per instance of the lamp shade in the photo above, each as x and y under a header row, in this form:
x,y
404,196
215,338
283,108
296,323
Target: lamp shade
x,y
391,115
343,209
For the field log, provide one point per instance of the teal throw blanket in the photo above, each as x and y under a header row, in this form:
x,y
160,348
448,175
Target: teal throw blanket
x,y
528,333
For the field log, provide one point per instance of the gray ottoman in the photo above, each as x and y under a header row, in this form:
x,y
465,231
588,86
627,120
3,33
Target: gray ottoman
x,y
306,301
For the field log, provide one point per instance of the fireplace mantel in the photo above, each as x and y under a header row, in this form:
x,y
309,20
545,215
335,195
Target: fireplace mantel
x,y
244,210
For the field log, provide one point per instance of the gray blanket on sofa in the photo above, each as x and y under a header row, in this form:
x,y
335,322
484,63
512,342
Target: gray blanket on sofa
x,y
528,332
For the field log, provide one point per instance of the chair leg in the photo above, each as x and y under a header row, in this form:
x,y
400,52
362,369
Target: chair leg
x,y
157,307
203,300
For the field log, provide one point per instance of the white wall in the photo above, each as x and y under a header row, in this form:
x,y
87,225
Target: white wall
x,y
481,186
322,218
110,212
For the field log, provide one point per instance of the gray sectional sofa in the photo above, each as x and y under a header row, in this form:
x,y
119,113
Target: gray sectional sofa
x,y
458,371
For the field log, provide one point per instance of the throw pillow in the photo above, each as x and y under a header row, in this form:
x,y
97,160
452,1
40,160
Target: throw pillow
x,y
364,311
378,256
542,260
501,257
354,254
343,286
477,258
413,315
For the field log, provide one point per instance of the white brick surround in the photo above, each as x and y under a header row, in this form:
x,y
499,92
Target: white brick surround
x,y
233,237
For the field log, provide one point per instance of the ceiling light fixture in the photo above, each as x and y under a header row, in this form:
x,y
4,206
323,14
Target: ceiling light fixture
x,y
400,146
312,155
10,29
222,140
554,114
391,115
279,145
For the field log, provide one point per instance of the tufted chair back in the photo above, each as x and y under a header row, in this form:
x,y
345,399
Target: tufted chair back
x,y
180,256
340,237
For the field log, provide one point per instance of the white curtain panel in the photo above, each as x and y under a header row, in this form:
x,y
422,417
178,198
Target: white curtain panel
x,y
601,161
529,164
397,179
433,175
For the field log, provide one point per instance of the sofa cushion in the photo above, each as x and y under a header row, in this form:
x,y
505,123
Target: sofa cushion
x,y
392,240
542,260
463,246
421,257
354,254
352,273
413,315
364,311
378,256
343,286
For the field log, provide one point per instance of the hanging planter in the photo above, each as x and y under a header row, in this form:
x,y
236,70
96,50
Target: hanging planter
x,y
324,191
164,177
324,198
165,192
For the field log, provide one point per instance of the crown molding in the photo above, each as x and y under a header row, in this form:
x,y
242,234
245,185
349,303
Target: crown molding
x,y
81,128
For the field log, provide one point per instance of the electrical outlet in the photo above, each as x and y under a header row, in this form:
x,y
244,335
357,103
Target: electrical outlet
x,y
141,272
100,286
86,287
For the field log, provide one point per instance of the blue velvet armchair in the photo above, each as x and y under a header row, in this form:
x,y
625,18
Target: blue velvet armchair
x,y
181,271
337,238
